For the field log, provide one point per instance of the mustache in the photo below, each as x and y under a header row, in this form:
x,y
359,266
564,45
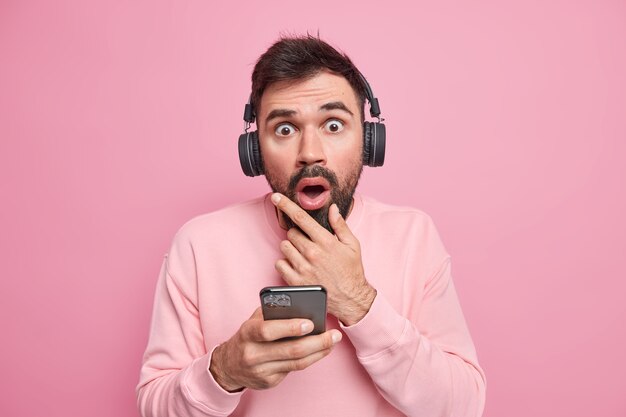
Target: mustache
x,y
311,172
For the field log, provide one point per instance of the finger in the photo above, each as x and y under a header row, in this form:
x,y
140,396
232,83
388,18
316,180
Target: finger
x,y
299,217
292,254
291,365
290,350
340,227
271,330
287,272
264,380
300,241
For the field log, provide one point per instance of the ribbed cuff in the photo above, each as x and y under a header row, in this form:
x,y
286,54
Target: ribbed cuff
x,y
204,392
379,330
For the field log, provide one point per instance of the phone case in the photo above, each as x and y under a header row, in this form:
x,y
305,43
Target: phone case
x,y
307,302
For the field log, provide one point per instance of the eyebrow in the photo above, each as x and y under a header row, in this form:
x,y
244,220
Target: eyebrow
x,y
333,105
336,105
279,113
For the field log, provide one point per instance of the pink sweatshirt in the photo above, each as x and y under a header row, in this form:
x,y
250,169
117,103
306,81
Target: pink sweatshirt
x,y
410,355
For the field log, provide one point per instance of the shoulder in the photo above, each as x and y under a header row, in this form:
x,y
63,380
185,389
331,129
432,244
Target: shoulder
x,y
227,220
253,207
390,213
210,235
400,225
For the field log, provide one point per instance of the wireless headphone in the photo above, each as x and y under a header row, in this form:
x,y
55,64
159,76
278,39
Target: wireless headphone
x,y
373,138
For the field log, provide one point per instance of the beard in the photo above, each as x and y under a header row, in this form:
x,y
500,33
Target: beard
x,y
340,194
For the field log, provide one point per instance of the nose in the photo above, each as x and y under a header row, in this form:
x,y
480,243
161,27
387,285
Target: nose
x,y
311,148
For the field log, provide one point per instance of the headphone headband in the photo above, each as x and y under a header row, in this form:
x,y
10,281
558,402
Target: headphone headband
x,y
249,114
374,106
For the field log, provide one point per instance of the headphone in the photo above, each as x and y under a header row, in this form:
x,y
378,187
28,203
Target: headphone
x,y
373,138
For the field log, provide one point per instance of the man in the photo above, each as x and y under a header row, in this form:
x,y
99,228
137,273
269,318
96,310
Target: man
x,y
396,341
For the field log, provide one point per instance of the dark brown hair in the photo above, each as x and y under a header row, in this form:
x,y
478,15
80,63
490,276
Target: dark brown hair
x,y
299,58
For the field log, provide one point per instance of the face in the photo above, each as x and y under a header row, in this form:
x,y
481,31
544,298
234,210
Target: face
x,y
311,139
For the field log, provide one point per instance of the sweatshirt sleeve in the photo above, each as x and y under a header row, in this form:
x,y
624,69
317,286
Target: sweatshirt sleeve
x,y
427,365
175,379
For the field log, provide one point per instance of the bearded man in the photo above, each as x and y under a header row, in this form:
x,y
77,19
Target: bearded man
x,y
396,342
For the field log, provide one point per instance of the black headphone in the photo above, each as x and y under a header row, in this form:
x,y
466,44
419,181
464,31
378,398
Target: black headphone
x,y
373,138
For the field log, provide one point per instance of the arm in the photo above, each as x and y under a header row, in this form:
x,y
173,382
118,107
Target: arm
x,y
179,377
175,378
425,367
422,365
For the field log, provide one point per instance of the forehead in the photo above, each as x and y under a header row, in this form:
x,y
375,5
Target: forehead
x,y
308,94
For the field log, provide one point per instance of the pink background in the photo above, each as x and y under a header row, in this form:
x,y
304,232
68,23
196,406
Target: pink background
x,y
506,122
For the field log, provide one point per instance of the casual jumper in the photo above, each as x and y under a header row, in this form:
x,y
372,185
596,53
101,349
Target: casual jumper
x,y
410,355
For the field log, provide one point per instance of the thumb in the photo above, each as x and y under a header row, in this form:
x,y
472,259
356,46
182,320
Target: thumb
x,y
339,225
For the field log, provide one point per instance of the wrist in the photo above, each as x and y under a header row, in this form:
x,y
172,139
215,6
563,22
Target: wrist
x,y
361,306
220,375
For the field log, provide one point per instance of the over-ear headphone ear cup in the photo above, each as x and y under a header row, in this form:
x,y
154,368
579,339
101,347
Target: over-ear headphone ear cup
x,y
367,136
374,139
250,154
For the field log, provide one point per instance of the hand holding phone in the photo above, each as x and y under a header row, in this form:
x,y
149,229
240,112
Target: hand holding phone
x,y
257,357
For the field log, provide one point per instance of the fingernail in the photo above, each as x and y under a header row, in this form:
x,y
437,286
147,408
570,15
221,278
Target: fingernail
x,y
336,337
306,327
275,198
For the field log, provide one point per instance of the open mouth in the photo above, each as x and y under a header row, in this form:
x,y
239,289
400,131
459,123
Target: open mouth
x,y
312,193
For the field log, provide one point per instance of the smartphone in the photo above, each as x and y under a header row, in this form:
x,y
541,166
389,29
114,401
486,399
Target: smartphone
x,y
302,302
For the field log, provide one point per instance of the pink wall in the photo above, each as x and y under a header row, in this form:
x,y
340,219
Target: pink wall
x,y
506,123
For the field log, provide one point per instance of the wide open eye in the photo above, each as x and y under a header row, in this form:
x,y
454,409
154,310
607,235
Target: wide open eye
x,y
333,126
285,129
